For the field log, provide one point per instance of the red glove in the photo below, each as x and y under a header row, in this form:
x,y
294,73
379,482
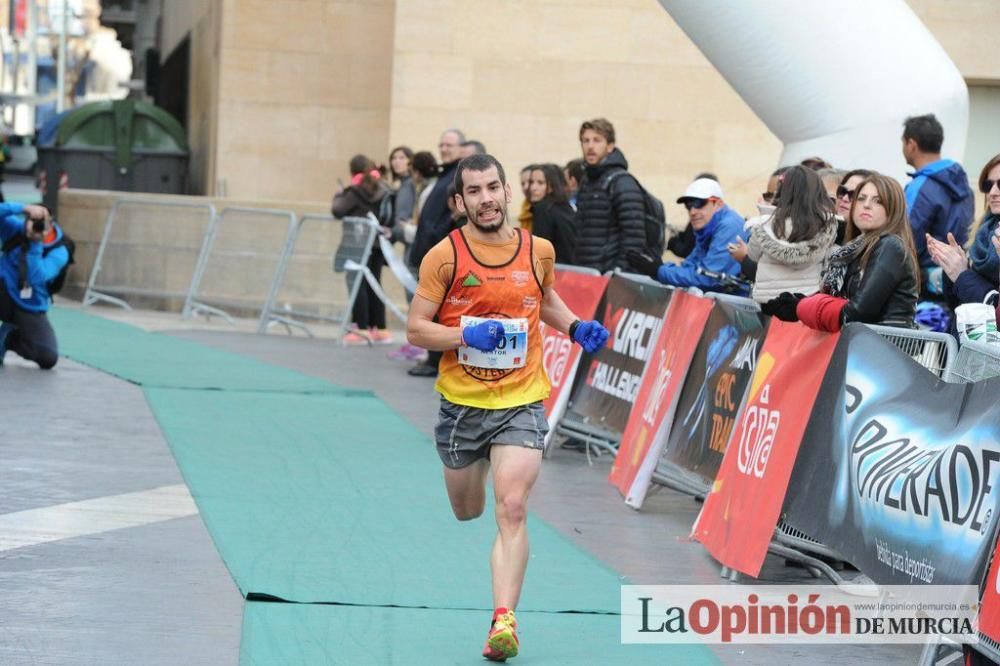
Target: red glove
x,y
821,311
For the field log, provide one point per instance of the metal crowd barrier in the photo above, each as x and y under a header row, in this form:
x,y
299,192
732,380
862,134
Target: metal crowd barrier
x,y
976,361
241,259
934,351
358,237
120,232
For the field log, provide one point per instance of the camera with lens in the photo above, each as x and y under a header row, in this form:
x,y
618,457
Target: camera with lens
x,y
38,226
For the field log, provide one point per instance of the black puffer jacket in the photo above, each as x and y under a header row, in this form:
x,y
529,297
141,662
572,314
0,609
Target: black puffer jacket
x,y
886,291
609,225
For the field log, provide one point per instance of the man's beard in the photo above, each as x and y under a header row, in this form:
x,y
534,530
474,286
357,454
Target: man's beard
x,y
492,227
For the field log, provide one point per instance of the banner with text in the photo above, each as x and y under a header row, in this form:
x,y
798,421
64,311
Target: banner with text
x,y
738,519
713,392
603,394
581,293
900,474
659,391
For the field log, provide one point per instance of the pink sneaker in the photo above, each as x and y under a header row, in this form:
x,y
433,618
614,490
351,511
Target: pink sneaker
x,y
407,352
352,339
380,336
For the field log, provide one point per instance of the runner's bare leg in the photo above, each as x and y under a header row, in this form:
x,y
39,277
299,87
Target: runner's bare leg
x,y
467,489
515,469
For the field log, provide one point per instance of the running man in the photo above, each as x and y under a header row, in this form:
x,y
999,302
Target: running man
x,y
482,292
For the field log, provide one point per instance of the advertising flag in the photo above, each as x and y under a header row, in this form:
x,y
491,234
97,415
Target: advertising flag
x,y
738,519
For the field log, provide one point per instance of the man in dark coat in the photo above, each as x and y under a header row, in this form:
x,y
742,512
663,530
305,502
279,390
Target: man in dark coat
x,y
436,222
610,203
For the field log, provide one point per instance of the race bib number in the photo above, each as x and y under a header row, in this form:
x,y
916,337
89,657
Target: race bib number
x,y
509,354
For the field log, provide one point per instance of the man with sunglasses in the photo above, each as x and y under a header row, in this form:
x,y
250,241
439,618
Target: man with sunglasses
x,y
715,225
938,199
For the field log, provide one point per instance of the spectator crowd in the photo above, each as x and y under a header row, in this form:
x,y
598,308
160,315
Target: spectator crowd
x,y
825,246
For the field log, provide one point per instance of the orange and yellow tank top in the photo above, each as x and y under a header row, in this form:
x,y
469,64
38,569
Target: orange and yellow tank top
x,y
512,375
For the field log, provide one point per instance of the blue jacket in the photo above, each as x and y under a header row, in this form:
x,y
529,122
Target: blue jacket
x,y
40,269
939,200
710,252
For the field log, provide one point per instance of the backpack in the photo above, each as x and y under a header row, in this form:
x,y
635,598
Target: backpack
x,y
56,284
654,216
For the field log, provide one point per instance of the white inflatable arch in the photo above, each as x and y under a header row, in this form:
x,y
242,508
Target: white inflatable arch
x,y
834,79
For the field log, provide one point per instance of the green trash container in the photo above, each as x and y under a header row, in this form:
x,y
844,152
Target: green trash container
x,y
125,145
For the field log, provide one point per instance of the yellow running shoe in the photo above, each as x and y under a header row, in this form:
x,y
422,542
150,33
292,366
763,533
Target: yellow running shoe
x,y
502,643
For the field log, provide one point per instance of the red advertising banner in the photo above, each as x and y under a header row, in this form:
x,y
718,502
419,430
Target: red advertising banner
x,y
645,434
989,609
740,513
582,293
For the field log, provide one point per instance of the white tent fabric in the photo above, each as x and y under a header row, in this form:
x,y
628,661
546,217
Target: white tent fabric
x,y
834,79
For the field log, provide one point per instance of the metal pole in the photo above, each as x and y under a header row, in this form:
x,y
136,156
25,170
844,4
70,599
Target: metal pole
x,y
61,65
32,74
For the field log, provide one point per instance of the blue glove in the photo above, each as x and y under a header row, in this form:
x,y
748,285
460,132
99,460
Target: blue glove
x,y
484,336
590,335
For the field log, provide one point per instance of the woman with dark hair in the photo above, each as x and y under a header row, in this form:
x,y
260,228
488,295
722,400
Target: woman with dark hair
x,y
790,246
400,168
554,219
971,277
364,195
845,195
874,278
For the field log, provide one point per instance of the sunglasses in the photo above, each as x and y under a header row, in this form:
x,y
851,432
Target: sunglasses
x,y
844,192
695,203
988,185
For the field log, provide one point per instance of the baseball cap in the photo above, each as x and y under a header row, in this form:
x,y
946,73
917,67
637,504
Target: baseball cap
x,y
702,188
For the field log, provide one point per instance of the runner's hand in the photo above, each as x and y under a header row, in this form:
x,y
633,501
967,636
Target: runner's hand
x,y
484,336
591,336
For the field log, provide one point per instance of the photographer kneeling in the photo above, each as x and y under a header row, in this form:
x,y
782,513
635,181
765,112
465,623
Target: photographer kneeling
x,y
35,257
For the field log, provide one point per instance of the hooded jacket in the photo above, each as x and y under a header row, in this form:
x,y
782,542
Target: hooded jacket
x,y
784,266
939,200
609,223
40,269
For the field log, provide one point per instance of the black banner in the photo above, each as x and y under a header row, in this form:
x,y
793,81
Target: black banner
x,y
898,471
718,379
608,381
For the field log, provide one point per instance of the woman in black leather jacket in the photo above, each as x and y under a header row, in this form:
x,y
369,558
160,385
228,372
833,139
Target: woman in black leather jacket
x,y
873,278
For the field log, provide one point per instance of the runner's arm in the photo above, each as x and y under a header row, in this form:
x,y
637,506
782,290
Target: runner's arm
x,y
423,331
555,313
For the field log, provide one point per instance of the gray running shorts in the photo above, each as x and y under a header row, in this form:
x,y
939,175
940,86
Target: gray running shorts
x,y
465,434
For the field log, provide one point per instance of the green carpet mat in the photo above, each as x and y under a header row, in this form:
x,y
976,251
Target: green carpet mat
x,y
337,499
362,636
153,359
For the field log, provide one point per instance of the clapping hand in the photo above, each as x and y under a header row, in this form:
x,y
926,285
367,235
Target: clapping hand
x,y
949,256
